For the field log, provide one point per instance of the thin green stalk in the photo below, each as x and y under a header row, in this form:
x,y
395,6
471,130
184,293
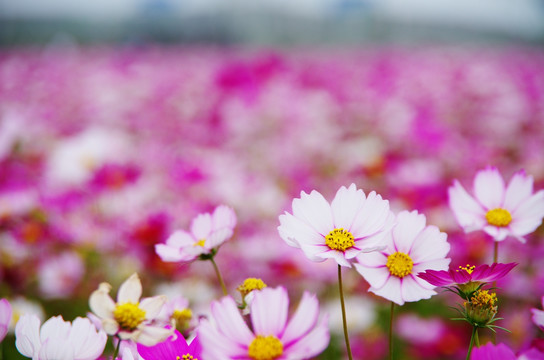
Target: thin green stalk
x,y
116,352
474,330
476,339
391,331
219,277
344,312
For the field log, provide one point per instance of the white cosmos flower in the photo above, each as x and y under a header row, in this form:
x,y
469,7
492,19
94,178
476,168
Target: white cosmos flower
x,y
130,318
58,339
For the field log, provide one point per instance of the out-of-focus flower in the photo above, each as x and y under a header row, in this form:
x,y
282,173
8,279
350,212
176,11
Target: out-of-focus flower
x,y
21,306
481,308
5,318
227,336
58,339
352,223
247,291
175,347
501,351
467,278
418,330
130,318
411,247
59,275
177,309
497,209
208,232
538,316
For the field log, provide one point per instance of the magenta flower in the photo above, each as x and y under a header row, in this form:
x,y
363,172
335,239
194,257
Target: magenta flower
x,y
227,336
5,318
497,209
208,232
351,224
492,352
465,274
175,347
538,316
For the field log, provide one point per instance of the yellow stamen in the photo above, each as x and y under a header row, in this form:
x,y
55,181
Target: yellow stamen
x,y
128,316
200,242
182,316
339,239
251,284
469,268
186,357
399,264
498,217
265,348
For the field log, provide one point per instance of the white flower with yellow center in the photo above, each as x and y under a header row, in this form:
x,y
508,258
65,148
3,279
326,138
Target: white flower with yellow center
x,y
497,209
130,318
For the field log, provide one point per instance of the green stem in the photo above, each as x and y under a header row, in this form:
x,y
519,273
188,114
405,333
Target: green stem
x,y
476,338
344,312
391,331
474,332
116,352
219,277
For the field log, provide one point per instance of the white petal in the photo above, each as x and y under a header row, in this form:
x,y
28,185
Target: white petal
x,y
311,344
519,189
430,244
110,326
217,346
489,188
100,302
345,206
223,217
296,232
152,306
303,320
375,276
27,333
180,239
390,290
409,226
373,259
217,237
315,211
201,226
229,321
412,291
152,335
338,256
313,252
468,212
528,216
130,290
55,327
88,343
168,253
372,217
269,311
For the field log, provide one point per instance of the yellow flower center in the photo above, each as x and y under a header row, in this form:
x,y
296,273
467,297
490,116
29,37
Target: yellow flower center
x,y
128,316
265,348
182,316
399,264
469,268
484,299
498,217
251,284
200,242
186,357
339,239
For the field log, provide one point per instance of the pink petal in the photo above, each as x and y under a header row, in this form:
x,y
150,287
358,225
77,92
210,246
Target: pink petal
x,y
315,211
313,252
391,290
489,188
168,253
492,352
338,256
528,216
413,291
229,321
223,217
310,345
269,311
296,232
518,190
538,317
217,346
346,205
436,278
201,226
375,276
180,239
372,218
372,259
27,333
405,232
303,320
430,244
468,212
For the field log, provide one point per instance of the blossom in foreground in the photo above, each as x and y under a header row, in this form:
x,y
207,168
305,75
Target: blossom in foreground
x,y
175,347
467,278
501,351
411,247
58,339
497,209
227,336
352,223
538,316
208,232
130,318
5,318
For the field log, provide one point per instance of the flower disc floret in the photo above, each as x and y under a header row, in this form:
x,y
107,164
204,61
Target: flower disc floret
x,y
186,357
399,264
498,217
339,239
265,348
128,315
251,284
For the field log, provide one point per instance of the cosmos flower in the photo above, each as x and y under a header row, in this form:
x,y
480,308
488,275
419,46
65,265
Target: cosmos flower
x,y
208,232
538,316
130,318
352,223
497,209
58,339
411,248
5,318
175,347
226,335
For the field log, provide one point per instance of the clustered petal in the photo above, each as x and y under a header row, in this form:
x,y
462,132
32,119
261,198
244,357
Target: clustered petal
x,y
483,273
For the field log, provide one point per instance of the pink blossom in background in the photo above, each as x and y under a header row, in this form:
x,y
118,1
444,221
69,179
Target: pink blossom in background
x,y
5,318
538,316
59,275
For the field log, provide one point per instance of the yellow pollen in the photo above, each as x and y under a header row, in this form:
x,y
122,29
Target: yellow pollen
x,y
483,299
265,348
469,268
251,284
498,217
399,264
182,316
339,239
128,316
200,242
186,357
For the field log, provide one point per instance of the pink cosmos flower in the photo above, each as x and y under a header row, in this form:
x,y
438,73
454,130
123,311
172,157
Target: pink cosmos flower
x,y
501,351
497,209
538,316
351,224
58,339
5,318
411,248
175,347
465,274
208,232
227,336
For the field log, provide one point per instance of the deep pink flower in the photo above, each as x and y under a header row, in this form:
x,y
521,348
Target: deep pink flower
x,y
465,274
227,336
175,347
492,352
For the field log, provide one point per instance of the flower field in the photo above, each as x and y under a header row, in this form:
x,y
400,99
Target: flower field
x,y
198,168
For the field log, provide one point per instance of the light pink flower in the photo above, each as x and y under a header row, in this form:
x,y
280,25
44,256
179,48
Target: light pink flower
x,y
538,316
226,335
208,232
497,209
5,318
411,248
58,339
351,224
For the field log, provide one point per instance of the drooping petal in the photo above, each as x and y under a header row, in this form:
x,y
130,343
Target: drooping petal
x,y
152,335
489,188
413,291
27,333
436,278
407,229
303,320
229,321
269,311
391,290
315,211
469,213
338,256
345,206
100,301
311,344
152,306
130,290
518,190
313,252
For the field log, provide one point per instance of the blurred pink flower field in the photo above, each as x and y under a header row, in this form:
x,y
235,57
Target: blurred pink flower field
x,y
105,152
